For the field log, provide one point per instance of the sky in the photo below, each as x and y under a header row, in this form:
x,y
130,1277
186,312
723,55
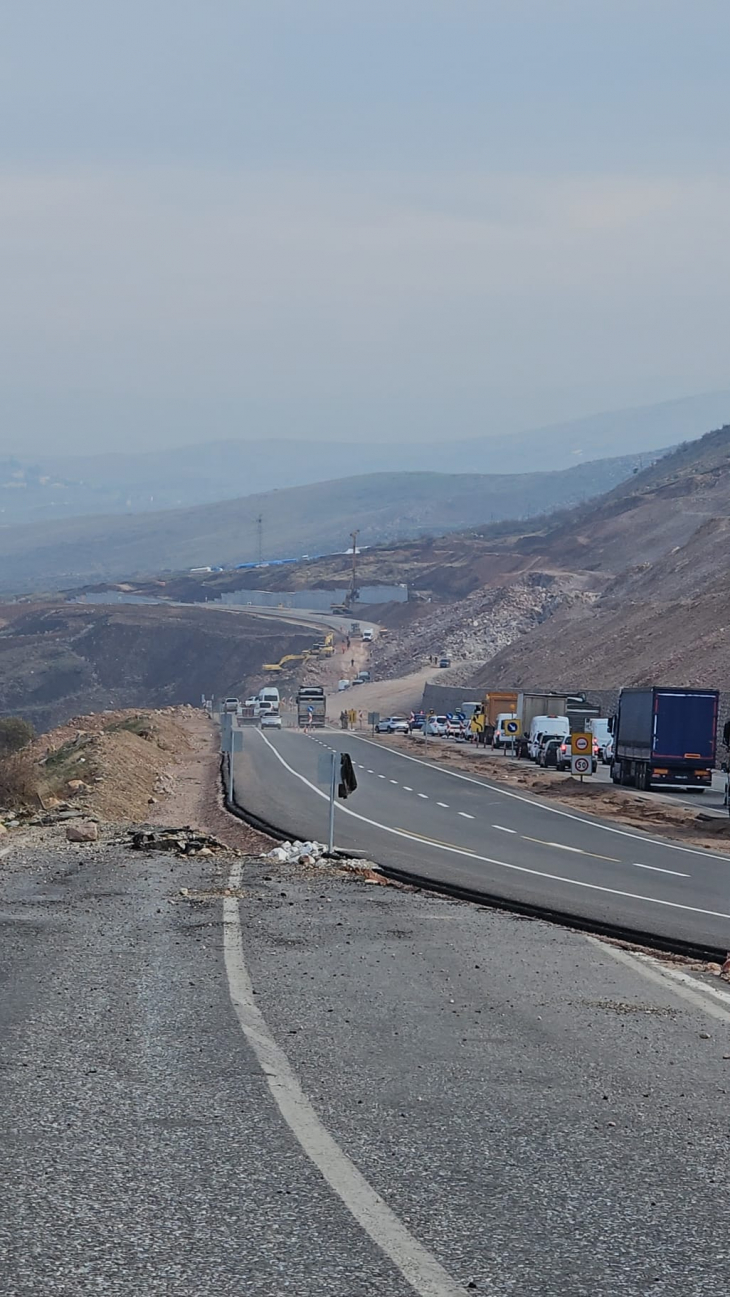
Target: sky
x,y
391,219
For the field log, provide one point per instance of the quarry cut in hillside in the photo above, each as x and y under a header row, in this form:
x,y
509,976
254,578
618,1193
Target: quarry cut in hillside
x,y
472,630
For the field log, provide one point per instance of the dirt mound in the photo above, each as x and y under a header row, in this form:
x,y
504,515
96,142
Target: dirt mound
x,y
114,764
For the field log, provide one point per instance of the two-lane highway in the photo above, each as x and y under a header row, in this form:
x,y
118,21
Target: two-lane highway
x,y
454,828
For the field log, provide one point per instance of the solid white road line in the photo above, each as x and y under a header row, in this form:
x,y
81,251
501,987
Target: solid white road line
x,y
708,998
553,810
656,870
419,1268
490,860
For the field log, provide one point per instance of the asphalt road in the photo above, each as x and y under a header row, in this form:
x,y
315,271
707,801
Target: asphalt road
x,y
505,1107
140,1149
473,833
707,799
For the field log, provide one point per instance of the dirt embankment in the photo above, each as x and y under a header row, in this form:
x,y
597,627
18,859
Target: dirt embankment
x,y
126,768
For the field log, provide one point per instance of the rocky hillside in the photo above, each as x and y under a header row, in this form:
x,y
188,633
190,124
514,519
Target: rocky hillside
x,y
658,556
473,629
57,660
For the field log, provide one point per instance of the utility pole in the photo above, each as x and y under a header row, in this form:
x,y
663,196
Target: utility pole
x,y
260,534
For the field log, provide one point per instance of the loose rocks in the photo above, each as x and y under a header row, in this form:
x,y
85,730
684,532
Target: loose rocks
x,y
87,831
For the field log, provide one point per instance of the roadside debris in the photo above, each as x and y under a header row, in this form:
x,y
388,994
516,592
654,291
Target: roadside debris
x,y
298,853
185,841
85,831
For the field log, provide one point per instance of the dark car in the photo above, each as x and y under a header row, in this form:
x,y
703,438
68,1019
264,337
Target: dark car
x,y
548,754
418,721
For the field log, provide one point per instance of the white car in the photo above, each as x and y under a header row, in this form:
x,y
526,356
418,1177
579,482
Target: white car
x,y
230,704
270,720
393,725
437,726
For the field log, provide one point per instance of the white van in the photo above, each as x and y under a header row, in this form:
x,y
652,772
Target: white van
x,y
500,737
269,694
598,727
367,635
557,727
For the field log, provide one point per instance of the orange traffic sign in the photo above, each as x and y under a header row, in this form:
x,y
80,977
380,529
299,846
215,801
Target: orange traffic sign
x,y
581,744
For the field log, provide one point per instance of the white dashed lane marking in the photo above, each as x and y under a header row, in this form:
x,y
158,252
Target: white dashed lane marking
x,y
406,789
394,781
465,816
657,870
502,828
424,796
444,804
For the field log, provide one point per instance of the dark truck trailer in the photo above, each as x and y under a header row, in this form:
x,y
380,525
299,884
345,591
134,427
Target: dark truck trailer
x,y
311,706
665,737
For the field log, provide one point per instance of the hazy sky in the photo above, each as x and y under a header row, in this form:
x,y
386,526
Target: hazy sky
x,y
342,218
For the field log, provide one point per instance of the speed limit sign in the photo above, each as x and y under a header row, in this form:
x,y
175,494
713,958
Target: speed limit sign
x,y
580,765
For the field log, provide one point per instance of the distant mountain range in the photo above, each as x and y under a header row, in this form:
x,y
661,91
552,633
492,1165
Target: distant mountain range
x,y
311,519
64,486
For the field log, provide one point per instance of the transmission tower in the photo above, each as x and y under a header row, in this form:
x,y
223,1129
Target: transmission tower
x,y
260,536
353,584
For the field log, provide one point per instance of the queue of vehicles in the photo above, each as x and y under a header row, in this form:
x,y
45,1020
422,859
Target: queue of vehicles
x,y
657,737
263,707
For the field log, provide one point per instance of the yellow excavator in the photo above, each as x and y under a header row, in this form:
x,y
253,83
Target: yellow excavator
x,y
290,657
323,648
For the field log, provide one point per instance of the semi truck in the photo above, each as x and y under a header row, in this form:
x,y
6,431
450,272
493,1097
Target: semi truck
x,y
664,737
311,706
